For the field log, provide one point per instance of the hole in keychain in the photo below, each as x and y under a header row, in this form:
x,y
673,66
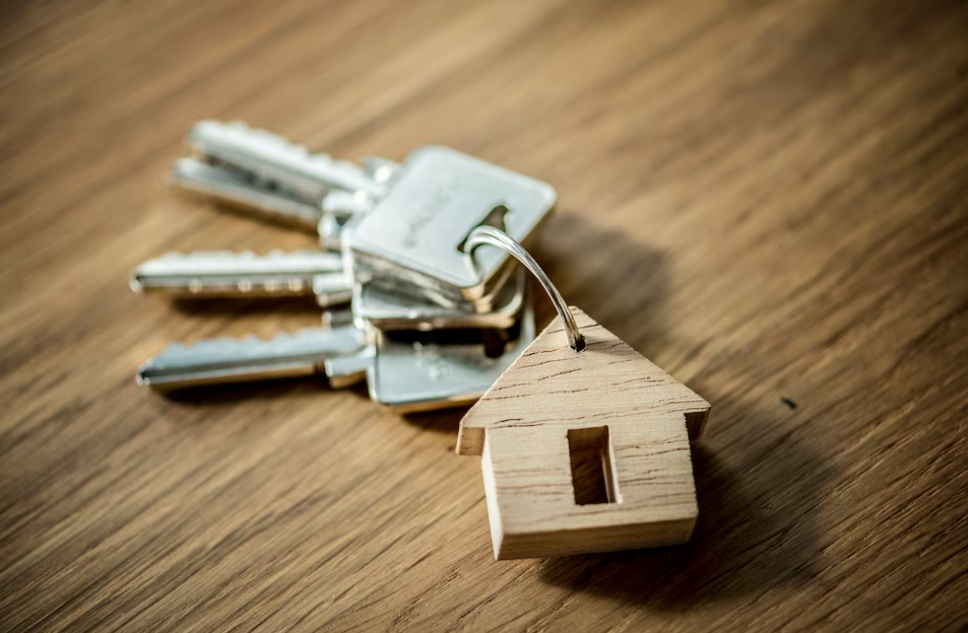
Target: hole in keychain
x,y
592,475
494,237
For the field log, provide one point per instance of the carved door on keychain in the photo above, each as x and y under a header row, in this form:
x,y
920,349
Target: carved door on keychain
x,y
585,451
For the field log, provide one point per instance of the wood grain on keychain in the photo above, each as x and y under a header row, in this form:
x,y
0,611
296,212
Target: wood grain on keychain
x,y
766,198
585,451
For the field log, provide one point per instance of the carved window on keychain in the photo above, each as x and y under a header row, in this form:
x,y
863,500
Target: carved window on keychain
x,y
592,472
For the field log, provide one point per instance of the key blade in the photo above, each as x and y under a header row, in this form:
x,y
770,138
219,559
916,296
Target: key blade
x,y
235,189
274,159
238,274
225,360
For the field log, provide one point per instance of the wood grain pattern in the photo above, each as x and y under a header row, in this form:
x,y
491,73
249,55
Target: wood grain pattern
x,y
559,424
766,198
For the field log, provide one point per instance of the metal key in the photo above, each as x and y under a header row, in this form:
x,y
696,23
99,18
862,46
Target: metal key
x,y
415,233
419,376
268,174
227,360
240,190
245,274
400,293
405,375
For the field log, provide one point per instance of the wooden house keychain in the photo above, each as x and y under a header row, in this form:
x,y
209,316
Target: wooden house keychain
x,y
585,443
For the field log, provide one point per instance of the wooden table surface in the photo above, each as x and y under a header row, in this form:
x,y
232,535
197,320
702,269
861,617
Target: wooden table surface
x,y
768,199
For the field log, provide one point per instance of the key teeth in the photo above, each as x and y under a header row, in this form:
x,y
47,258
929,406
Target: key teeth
x,y
247,254
179,255
282,254
219,360
218,142
241,132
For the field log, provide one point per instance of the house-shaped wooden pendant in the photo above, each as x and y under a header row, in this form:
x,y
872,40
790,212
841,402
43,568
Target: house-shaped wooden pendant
x,y
585,451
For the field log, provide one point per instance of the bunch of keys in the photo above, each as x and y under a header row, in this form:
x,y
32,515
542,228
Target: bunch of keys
x,y
584,443
405,305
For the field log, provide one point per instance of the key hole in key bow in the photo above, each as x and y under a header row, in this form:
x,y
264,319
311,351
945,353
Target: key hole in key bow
x,y
592,475
494,218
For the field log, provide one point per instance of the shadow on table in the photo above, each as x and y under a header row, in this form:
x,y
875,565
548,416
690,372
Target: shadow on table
x,y
268,389
442,421
756,530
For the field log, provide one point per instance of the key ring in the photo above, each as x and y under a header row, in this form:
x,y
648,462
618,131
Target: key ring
x,y
495,237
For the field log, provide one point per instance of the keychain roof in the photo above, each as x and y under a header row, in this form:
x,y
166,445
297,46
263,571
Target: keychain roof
x,y
584,445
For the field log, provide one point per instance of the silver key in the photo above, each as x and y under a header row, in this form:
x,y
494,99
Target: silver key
x,y
415,233
236,360
405,376
239,190
266,173
272,159
413,376
388,310
426,208
245,274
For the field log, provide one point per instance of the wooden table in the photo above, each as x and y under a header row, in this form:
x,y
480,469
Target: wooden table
x,y
768,199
